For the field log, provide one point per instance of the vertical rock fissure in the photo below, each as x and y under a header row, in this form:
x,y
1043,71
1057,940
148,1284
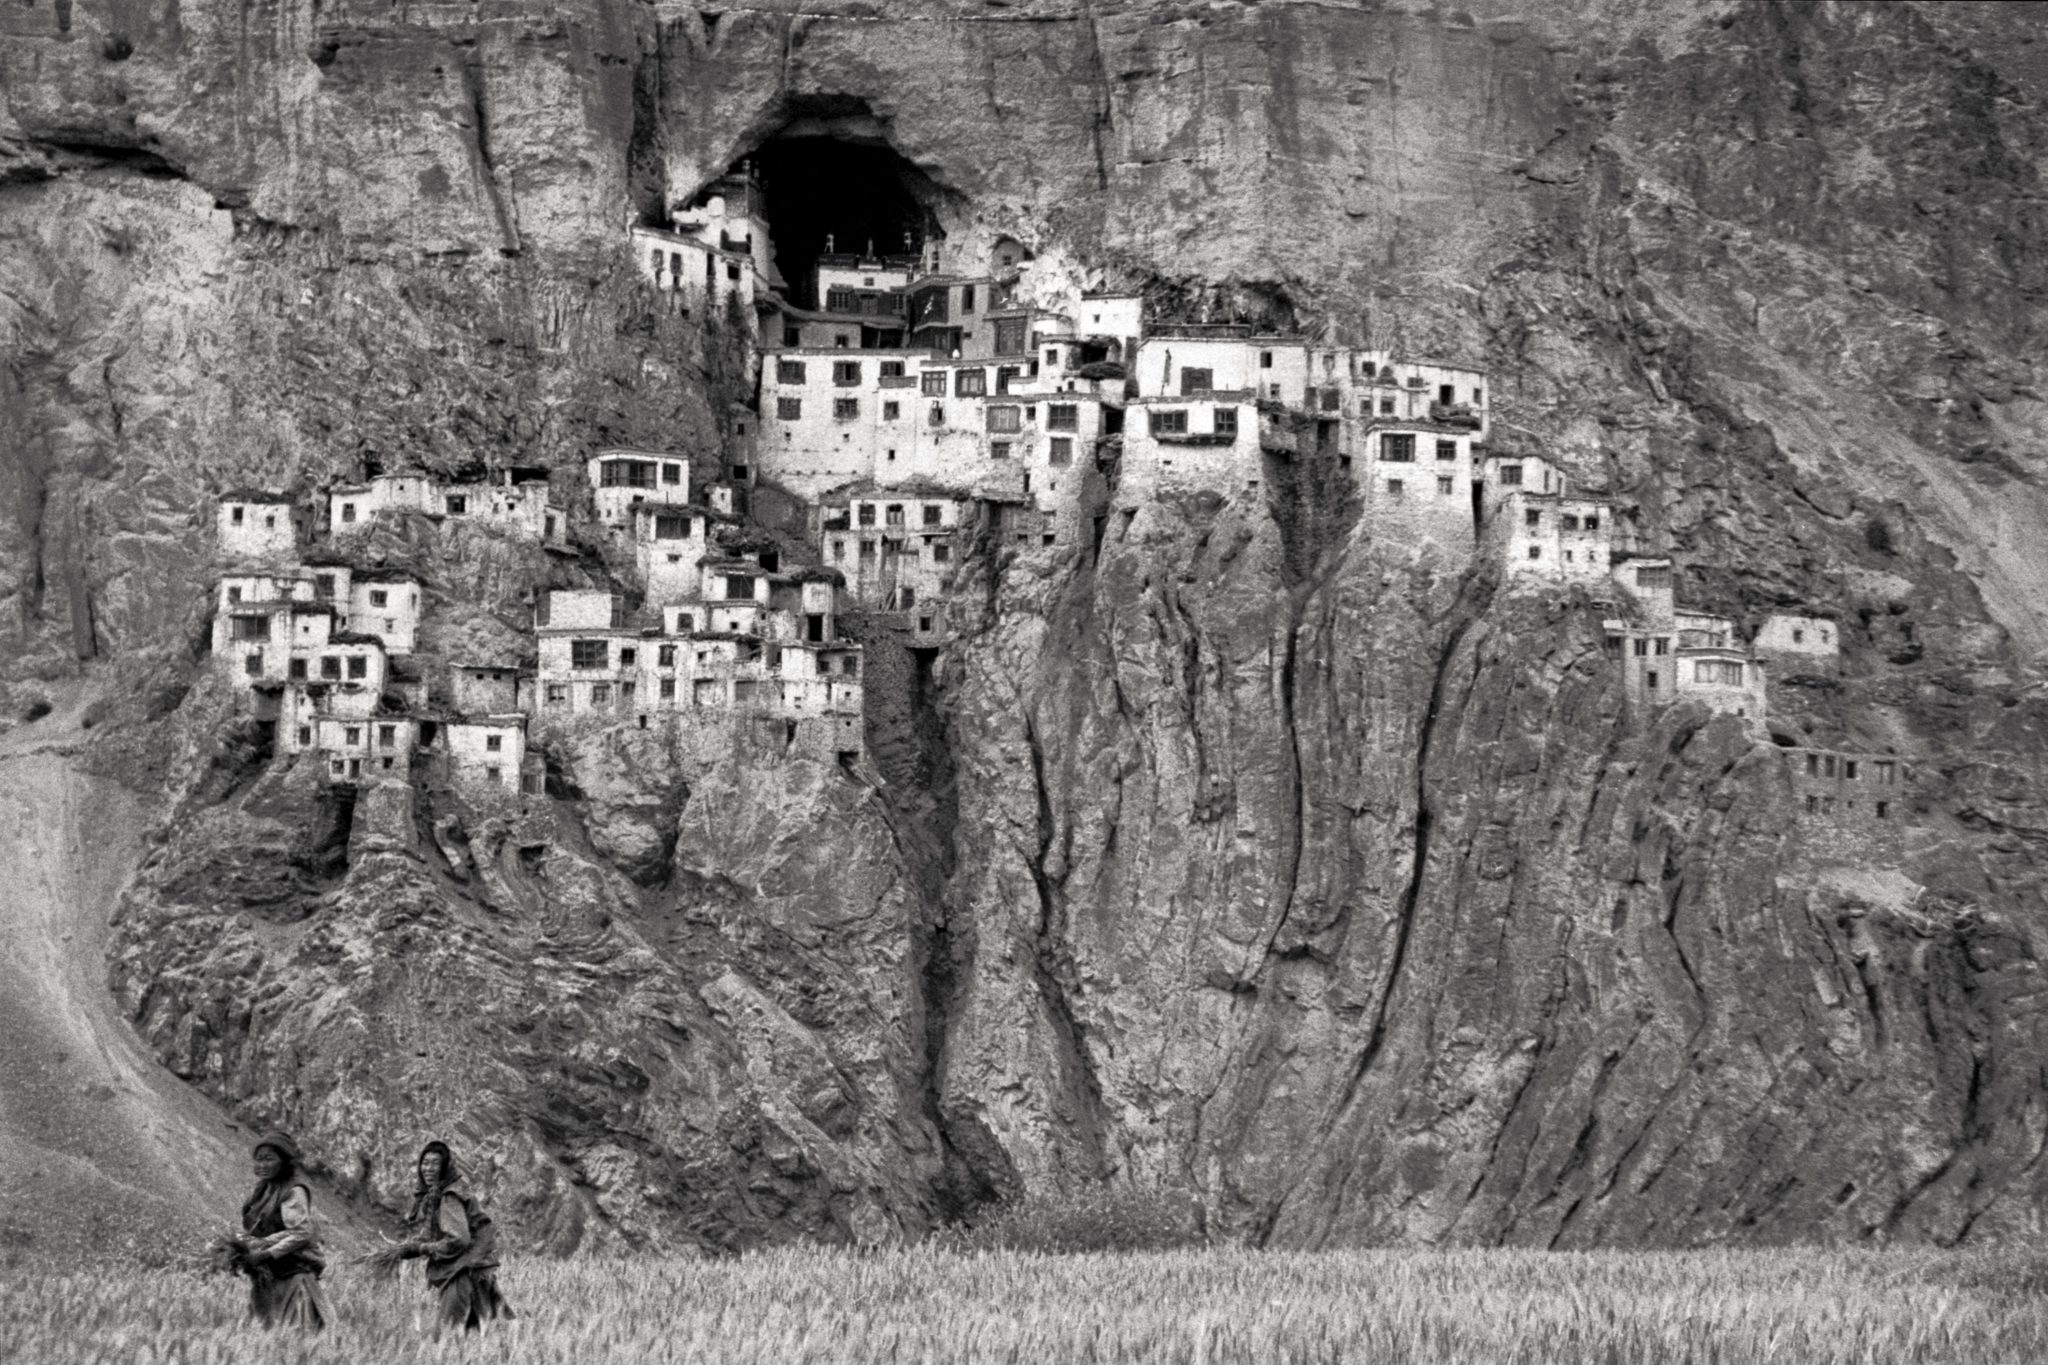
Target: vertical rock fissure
x,y
473,87
1053,970
1463,617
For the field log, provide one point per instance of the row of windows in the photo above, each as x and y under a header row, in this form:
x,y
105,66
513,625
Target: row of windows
x,y
332,668
1825,805
1445,486
942,553
1174,421
967,383
638,473
892,514
1398,447
1001,416
1884,771
597,654
387,737
1570,521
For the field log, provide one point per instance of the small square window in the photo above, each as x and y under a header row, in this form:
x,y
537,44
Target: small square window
x,y
494,743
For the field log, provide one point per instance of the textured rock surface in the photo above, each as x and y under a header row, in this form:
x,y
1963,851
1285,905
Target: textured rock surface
x,y
1242,852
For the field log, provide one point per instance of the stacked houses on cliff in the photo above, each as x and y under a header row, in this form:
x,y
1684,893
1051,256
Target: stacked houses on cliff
x,y
918,416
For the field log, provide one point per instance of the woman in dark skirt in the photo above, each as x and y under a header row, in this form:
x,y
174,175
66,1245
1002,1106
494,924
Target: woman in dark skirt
x,y
277,1248
460,1244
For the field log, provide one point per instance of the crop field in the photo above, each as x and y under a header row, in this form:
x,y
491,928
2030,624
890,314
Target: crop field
x,y
1195,1307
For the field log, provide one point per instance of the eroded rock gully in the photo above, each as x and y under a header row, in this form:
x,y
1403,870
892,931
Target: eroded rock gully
x,y
1236,851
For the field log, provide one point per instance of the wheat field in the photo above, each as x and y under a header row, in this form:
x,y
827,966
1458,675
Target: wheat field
x,y
1185,1307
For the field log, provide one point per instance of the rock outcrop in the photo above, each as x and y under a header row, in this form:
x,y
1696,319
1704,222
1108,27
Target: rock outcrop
x,y
1236,850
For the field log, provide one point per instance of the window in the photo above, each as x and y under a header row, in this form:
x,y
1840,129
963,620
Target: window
x,y
348,511
1331,400
1396,488
458,505
844,409
1848,765
739,587
866,514
251,627
1003,417
1226,421
970,383
891,411
941,552
558,695
627,474
601,694
351,735
936,416
305,736
1592,523
668,689
846,373
789,409
1813,765
1168,421
1661,645
296,669
671,472
792,336
1650,680
1447,450
628,656
892,515
966,298
1062,417
1511,476
1443,483
1884,810
1887,771
1398,447
358,666
933,514
387,736
1010,336
589,653
1386,407
1642,647
1196,381
379,597
235,516
932,383
1568,522
840,299
1827,765
999,450
1812,805
1478,397
1535,552
867,551
1265,360
1061,451
252,664
1444,395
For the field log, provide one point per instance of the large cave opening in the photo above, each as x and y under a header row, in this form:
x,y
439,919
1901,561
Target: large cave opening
x,y
836,185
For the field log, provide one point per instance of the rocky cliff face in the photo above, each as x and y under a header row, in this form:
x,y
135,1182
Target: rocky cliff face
x,y
1236,849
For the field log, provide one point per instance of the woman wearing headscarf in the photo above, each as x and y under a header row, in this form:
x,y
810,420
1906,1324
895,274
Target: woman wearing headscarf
x,y
277,1248
452,1231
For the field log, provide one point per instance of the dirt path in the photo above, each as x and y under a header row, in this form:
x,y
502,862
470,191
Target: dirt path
x,y
101,1148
